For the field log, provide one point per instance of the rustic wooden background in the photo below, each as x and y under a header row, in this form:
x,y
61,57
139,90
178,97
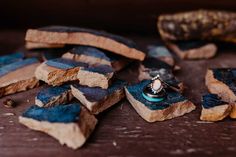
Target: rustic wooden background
x,y
121,131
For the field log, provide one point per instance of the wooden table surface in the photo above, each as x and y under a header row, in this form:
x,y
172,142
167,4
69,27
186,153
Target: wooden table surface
x,y
121,131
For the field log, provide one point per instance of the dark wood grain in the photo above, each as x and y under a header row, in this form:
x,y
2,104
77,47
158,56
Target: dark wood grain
x,y
121,131
113,15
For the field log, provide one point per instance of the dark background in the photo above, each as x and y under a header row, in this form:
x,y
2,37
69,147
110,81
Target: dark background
x,y
125,16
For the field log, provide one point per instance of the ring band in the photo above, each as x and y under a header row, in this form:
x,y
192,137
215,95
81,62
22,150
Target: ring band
x,y
152,99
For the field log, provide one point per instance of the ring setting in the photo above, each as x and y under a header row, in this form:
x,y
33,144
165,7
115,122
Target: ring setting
x,y
155,91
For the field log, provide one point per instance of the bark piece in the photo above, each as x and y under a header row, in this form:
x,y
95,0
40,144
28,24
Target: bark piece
x,y
52,96
35,45
221,81
70,124
58,71
18,76
97,76
94,56
96,99
81,36
88,55
160,52
214,109
174,105
193,49
198,25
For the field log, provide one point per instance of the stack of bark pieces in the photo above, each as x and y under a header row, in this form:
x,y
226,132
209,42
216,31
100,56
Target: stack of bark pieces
x,y
220,102
192,35
159,61
85,72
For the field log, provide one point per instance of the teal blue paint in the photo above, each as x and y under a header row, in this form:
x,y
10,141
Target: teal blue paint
x,y
62,63
101,69
90,51
211,100
171,97
96,94
58,114
227,76
152,99
158,51
17,65
11,58
46,95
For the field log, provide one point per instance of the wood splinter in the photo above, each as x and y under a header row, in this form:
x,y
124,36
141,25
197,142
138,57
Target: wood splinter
x,y
81,36
96,99
58,71
214,109
193,49
70,124
221,81
18,76
52,96
174,105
